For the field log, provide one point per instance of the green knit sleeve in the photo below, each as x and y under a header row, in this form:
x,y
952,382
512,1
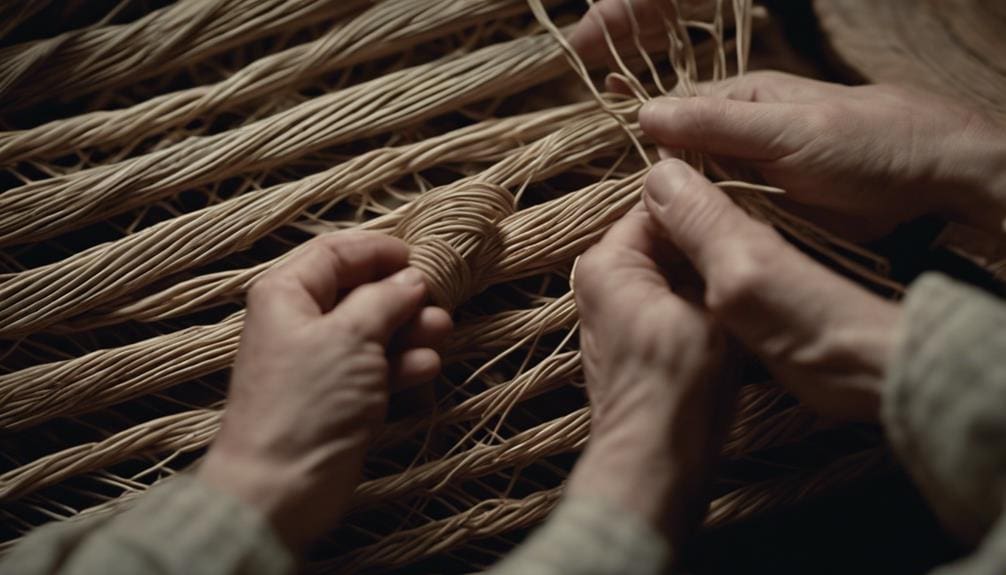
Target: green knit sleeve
x,y
181,527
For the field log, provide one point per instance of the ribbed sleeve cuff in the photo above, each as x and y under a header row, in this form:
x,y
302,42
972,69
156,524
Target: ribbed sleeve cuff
x,y
588,537
944,404
185,526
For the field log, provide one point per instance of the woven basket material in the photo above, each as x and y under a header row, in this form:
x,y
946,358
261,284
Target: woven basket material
x,y
152,169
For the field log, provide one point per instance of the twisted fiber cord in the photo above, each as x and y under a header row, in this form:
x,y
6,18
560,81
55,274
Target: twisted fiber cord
x,y
481,141
760,403
15,12
453,230
42,209
39,297
772,494
109,376
559,435
587,214
131,361
195,293
191,430
565,434
488,518
85,60
497,516
182,432
508,327
384,29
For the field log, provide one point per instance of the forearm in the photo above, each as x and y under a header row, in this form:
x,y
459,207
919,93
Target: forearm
x,y
629,469
182,527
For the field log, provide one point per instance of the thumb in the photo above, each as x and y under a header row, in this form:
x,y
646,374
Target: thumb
x,y
715,234
375,311
770,295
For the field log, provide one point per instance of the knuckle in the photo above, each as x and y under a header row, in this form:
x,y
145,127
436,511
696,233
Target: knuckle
x,y
699,216
265,288
350,327
368,293
748,87
824,117
738,281
695,113
591,269
331,246
893,91
768,76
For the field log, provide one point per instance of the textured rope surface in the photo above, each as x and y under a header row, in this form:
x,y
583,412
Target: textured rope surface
x,y
132,225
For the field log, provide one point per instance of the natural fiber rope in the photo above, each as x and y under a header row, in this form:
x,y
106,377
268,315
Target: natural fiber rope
x,y
94,276
495,516
467,236
42,209
386,28
524,252
85,60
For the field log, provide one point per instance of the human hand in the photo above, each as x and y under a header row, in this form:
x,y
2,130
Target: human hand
x,y
323,334
659,406
860,159
864,158
823,337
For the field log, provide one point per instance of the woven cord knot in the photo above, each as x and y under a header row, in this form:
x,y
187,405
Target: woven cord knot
x,y
454,237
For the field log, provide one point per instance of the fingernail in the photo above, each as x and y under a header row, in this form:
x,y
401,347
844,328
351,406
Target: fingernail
x,y
665,180
408,276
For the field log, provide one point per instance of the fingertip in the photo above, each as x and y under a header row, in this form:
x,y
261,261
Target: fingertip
x,y
592,271
408,277
648,113
436,319
429,328
415,366
667,181
377,310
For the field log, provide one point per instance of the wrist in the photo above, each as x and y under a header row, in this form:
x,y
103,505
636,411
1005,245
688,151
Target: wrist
x,y
296,500
626,474
848,363
256,483
636,466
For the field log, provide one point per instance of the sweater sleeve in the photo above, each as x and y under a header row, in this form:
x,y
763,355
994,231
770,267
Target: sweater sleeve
x,y
944,410
588,537
181,527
